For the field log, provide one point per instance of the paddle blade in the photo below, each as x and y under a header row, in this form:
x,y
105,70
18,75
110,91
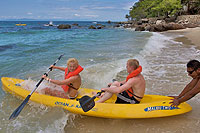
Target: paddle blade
x,y
87,103
19,109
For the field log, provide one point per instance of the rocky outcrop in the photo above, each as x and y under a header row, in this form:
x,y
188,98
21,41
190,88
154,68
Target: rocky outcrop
x,y
64,26
75,24
98,26
195,19
92,27
159,25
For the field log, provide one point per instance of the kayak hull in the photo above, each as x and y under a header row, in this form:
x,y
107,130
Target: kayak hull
x,y
151,106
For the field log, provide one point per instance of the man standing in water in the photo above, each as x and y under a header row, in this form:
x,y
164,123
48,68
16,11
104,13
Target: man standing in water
x,y
71,82
193,88
129,91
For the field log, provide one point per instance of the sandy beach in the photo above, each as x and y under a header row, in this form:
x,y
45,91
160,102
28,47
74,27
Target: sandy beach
x,y
190,36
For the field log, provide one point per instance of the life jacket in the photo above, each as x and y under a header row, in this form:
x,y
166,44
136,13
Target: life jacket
x,y
131,75
70,74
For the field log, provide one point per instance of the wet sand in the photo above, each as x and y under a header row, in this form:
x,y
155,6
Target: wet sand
x,y
190,36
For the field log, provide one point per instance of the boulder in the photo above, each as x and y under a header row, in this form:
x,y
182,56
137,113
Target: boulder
x,y
109,21
140,28
117,25
170,19
147,28
160,22
101,26
92,27
75,24
190,25
173,26
64,26
159,28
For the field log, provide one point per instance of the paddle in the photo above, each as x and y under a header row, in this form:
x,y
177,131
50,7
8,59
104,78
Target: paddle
x,y
87,103
19,109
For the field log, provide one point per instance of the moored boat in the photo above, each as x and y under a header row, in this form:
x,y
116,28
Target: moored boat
x,y
50,24
20,24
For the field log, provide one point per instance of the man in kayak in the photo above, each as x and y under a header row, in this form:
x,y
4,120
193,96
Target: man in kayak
x,y
129,91
71,82
191,89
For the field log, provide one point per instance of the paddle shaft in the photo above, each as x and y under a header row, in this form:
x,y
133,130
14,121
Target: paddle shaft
x,y
19,109
50,69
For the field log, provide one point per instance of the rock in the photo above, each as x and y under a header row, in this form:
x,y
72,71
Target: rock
x,y
75,24
145,20
190,25
109,21
159,28
160,22
152,29
117,25
92,27
173,26
139,22
64,26
127,26
140,28
152,20
171,19
147,28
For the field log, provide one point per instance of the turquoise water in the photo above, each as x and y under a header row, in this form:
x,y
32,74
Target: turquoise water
x,y
27,52
29,49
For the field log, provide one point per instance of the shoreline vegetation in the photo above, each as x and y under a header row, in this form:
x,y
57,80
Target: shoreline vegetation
x,y
168,16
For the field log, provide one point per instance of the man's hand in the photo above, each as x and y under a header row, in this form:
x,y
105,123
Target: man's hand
x,y
175,102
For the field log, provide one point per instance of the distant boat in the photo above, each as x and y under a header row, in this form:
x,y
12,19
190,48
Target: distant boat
x,y
94,22
50,24
20,24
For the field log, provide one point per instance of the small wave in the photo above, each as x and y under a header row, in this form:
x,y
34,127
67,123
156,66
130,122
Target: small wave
x,y
5,47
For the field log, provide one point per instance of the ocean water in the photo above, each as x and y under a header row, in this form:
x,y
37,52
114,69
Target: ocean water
x,y
28,51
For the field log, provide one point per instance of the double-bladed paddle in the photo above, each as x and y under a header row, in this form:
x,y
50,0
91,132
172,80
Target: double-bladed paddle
x,y
87,103
19,109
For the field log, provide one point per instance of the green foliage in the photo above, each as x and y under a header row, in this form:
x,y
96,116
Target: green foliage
x,y
155,8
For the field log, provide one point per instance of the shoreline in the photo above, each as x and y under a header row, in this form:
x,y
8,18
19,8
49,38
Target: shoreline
x,y
190,36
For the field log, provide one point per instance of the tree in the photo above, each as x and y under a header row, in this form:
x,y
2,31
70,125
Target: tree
x,y
127,17
155,8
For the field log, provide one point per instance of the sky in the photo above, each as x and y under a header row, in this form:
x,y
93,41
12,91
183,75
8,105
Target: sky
x,y
78,10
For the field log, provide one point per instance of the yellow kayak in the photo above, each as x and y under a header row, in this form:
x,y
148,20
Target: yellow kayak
x,y
20,24
151,106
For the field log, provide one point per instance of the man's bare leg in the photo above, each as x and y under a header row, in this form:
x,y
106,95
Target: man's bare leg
x,y
108,95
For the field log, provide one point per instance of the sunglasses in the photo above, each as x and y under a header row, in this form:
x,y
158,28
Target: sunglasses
x,y
190,72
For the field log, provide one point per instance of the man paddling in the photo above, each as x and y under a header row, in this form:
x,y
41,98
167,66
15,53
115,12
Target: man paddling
x,y
191,89
129,91
71,82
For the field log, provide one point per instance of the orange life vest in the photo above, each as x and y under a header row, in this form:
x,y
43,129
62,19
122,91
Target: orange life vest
x,y
131,75
70,74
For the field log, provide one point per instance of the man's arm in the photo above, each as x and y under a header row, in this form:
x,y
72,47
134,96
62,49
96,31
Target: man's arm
x,y
62,82
122,88
188,95
188,88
